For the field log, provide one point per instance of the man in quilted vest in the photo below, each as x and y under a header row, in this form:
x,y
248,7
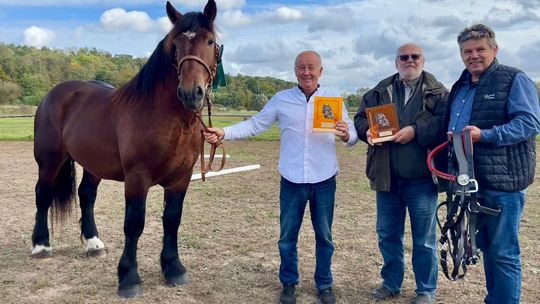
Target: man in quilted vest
x,y
499,105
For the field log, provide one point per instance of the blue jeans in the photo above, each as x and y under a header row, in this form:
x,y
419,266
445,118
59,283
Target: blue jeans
x,y
498,240
292,202
419,197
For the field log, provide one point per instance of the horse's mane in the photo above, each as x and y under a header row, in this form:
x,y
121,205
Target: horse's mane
x,y
161,63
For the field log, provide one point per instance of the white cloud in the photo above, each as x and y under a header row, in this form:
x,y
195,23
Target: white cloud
x,y
229,4
118,18
234,18
164,24
357,38
38,37
221,4
288,14
79,3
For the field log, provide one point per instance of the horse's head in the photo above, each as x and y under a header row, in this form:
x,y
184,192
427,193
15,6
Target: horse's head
x,y
193,41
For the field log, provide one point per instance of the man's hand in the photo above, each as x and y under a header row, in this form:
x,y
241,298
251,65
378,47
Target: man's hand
x,y
342,130
404,135
370,139
214,135
475,133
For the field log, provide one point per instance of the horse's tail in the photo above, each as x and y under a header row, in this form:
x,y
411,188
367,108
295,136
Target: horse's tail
x,y
64,191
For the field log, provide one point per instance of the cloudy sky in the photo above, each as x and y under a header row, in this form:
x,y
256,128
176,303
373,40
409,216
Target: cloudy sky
x,y
357,39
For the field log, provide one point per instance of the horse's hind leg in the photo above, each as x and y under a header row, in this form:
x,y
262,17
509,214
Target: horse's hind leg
x,y
41,248
55,184
87,198
175,273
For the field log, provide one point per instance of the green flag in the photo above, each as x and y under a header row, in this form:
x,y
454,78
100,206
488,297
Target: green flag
x,y
219,81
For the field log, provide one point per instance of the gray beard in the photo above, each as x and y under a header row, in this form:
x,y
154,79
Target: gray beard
x,y
402,76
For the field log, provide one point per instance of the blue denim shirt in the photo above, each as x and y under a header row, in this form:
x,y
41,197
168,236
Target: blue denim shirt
x,y
523,108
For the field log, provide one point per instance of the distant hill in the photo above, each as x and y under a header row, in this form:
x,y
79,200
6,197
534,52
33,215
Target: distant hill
x,y
28,73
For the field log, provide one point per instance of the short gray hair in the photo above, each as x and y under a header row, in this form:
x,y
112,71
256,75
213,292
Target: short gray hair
x,y
409,44
477,32
307,52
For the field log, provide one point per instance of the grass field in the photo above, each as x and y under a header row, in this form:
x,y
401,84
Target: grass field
x,y
16,129
22,128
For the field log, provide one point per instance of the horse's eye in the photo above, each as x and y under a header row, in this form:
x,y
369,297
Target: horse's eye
x,y
211,42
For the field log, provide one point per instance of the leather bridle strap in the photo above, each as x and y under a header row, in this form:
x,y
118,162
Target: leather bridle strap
x,y
219,144
199,60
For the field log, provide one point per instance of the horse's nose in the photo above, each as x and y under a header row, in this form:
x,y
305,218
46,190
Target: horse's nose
x,y
192,99
199,92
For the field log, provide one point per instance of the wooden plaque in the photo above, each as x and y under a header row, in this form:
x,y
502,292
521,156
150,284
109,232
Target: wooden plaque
x,y
383,122
326,111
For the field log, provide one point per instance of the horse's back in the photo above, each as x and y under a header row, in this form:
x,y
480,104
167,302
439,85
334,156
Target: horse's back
x,y
77,118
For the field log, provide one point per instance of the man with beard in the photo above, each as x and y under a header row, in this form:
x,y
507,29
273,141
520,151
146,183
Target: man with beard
x,y
398,172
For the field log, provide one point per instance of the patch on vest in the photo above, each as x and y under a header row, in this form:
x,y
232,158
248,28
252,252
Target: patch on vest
x,y
489,96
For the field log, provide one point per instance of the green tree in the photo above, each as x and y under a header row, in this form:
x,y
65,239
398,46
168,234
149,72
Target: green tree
x,y
9,92
28,73
354,100
34,88
257,102
3,75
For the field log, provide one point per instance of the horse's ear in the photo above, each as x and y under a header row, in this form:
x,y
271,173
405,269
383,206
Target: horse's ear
x,y
210,10
173,14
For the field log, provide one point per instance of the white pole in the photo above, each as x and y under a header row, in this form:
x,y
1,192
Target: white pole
x,y
215,156
227,171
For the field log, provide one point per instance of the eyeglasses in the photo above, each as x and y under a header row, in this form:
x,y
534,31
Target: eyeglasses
x,y
405,58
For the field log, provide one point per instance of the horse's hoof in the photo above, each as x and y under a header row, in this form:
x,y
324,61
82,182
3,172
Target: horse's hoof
x,y
96,253
178,280
95,247
41,255
130,292
41,252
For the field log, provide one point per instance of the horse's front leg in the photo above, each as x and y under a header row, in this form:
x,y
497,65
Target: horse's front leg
x,y
129,281
175,273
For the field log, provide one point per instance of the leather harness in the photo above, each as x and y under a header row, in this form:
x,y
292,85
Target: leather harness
x,y
458,233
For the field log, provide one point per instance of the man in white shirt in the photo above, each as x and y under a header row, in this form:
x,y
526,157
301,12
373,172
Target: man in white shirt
x,y
308,166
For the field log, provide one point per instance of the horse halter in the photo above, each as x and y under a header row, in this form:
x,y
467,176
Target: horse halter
x,y
208,96
211,72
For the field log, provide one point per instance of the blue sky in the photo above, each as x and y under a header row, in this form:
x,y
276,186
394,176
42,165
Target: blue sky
x,y
357,39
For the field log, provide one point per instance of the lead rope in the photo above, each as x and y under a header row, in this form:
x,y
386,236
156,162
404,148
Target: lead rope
x,y
214,146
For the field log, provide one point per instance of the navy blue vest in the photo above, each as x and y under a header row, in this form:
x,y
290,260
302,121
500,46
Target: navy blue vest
x,y
507,168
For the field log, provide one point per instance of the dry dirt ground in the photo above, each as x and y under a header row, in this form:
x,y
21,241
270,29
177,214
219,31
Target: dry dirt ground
x,y
228,240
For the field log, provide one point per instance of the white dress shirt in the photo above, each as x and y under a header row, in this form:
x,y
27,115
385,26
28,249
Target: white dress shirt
x,y
305,157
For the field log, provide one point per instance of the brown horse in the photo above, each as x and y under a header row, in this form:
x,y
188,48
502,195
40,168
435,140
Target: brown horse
x,y
145,133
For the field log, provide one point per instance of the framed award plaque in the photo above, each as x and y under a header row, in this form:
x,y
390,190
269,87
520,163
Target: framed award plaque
x,y
326,111
383,122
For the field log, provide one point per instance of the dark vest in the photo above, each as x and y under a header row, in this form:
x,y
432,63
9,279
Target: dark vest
x,y
506,168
